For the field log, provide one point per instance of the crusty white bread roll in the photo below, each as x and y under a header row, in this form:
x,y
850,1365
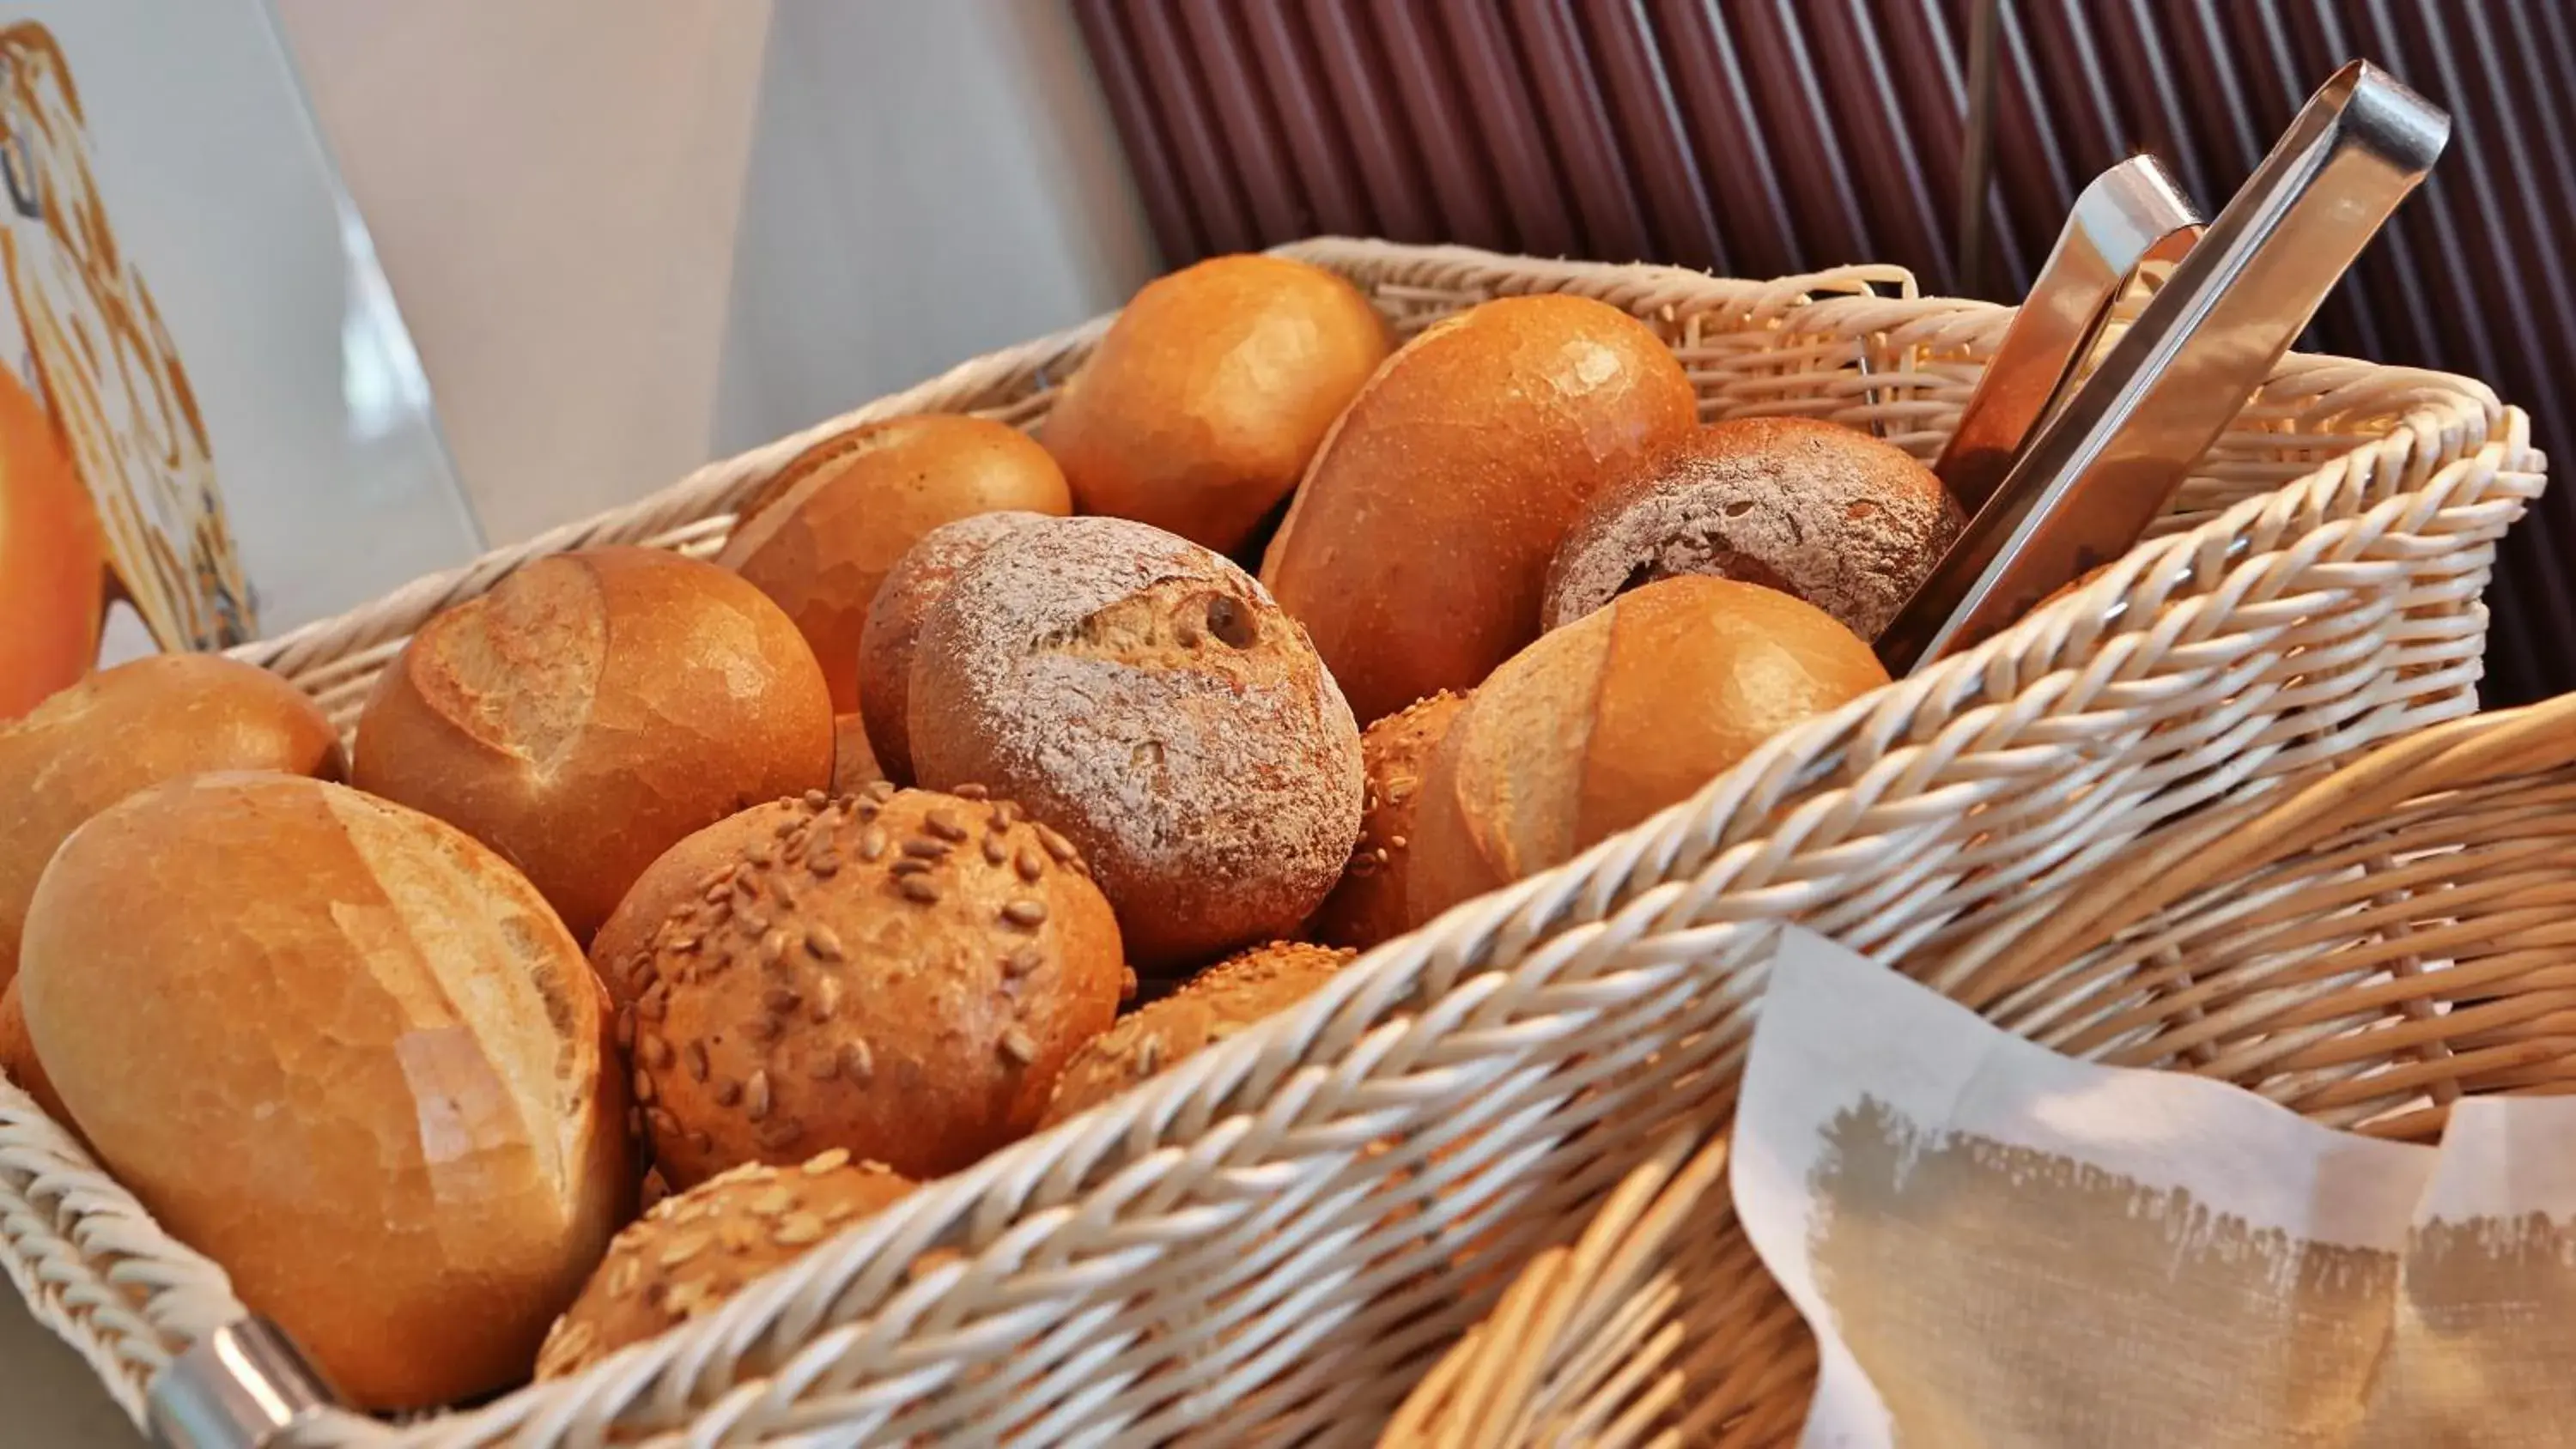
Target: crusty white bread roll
x,y
1832,515
1203,403
690,1254
139,724
901,974
591,710
1416,551
347,1053
18,1058
1615,716
894,628
822,536
1208,1008
1368,907
1147,698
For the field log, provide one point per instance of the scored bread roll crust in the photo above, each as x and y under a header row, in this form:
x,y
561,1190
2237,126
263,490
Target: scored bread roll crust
x,y
1208,1008
139,724
591,710
347,1053
691,1253
1416,551
894,627
821,537
903,975
1368,907
1617,715
1204,401
1148,699
1833,516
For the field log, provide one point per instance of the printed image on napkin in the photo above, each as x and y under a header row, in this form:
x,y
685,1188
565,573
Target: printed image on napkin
x,y
2000,1246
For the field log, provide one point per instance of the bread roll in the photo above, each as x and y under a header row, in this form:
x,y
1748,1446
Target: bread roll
x,y
1146,697
1836,517
18,1059
1368,906
1200,408
1211,1006
903,976
1416,552
1614,717
347,1053
139,724
854,764
680,878
593,709
821,537
894,625
689,1255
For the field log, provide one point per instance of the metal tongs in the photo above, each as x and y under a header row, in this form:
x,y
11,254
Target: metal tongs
x,y
2060,476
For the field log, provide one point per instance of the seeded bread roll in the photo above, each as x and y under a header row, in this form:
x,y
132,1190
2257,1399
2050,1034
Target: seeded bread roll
x,y
690,1254
1368,906
820,539
139,724
1416,551
904,976
894,627
593,709
346,1052
1826,514
18,1059
1617,715
1199,409
1148,699
1211,1006
699,867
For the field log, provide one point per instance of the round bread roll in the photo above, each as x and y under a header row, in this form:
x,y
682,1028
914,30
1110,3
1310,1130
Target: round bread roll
x,y
1211,1006
136,725
1202,405
854,764
1833,516
894,627
1617,715
1148,699
820,538
593,709
682,877
18,1059
347,1053
690,1254
1368,906
1416,552
903,976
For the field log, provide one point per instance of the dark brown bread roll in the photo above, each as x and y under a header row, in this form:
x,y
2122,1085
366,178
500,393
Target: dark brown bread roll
x,y
1368,906
690,1254
894,627
902,975
1826,514
1208,1008
1148,699
594,708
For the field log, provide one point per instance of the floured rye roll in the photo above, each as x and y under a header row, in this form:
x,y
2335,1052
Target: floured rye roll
x,y
1147,698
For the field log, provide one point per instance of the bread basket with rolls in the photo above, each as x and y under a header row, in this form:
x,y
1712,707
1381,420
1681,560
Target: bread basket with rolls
x,y
951,1130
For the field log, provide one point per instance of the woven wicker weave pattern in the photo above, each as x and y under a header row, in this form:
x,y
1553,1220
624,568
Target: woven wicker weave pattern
x,y
1275,1237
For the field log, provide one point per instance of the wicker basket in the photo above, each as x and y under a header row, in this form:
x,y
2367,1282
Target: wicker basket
x,y
1274,1238
2367,951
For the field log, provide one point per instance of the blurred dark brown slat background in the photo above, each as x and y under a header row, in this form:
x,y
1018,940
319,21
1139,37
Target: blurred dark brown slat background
x,y
1756,137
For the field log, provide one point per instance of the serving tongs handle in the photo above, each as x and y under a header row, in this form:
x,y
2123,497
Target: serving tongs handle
x,y
2095,473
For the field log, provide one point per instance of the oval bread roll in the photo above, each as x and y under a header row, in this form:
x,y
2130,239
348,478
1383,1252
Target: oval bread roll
x,y
138,724
1416,551
822,536
1368,906
346,1052
591,710
18,1058
1602,723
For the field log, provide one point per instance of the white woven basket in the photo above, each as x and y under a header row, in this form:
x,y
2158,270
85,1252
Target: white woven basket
x,y
1274,1239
